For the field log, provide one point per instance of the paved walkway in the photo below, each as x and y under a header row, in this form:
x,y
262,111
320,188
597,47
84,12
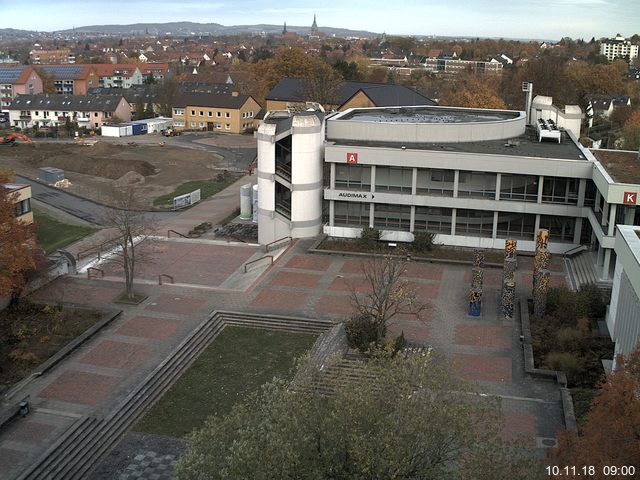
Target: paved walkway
x,y
94,378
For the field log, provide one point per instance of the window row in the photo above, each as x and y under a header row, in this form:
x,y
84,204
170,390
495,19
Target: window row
x,y
477,223
522,188
209,114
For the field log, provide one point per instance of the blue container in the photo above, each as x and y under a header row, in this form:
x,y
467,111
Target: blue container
x,y
139,128
474,308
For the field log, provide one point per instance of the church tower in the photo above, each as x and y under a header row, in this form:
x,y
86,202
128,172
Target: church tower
x,y
284,30
314,26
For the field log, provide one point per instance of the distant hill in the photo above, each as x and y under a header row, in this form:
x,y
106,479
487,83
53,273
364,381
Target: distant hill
x,y
192,28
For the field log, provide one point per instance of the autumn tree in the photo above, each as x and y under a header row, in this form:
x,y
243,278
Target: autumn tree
x,y
16,244
472,91
131,228
165,95
631,131
402,418
611,432
386,294
47,80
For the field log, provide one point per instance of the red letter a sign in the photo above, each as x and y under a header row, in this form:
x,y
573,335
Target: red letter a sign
x,y
352,158
630,198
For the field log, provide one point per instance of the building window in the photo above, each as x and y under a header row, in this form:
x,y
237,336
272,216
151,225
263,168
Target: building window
x,y
477,223
201,124
560,228
590,194
351,214
218,114
433,219
560,190
201,113
193,113
179,123
477,184
227,115
515,225
394,179
178,111
194,124
392,217
435,182
227,126
354,177
95,114
519,187
23,207
209,113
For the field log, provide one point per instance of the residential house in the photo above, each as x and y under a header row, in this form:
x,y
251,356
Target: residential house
x,y
21,194
233,113
118,75
21,80
60,56
89,111
71,79
290,93
618,47
159,71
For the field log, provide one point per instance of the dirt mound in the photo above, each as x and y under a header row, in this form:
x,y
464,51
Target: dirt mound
x,y
129,178
112,168
103,148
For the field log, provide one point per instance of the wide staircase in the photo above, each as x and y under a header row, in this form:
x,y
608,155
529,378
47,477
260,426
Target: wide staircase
x,y
582,271
78,450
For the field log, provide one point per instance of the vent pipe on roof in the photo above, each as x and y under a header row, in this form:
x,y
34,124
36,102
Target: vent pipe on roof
x,y
527,87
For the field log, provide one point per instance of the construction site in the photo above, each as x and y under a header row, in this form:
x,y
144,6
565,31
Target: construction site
x,y
92,168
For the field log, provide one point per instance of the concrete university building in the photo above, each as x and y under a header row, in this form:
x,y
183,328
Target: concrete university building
x,y
473,177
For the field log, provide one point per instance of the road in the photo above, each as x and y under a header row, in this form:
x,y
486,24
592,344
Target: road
x,y
83,208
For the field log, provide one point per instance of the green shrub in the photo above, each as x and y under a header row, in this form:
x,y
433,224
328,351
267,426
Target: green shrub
x,y
570,339
422,242
565,362
370,236
594,300
362,332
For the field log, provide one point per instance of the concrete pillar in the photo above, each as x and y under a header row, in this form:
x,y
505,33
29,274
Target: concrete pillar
x,y
373,179
412,221
536,226
577,231
540,185
332,212
371,213
332,181
605,264
605,214
453,221
456,180
612,219
494,232
596,206
498,182
414,183
582,188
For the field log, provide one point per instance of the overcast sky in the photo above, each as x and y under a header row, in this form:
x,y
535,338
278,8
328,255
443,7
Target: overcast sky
x,y
545,19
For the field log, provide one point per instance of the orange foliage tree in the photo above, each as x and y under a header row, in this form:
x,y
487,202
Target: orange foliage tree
x,y
611,433
473,91
631,131
16,249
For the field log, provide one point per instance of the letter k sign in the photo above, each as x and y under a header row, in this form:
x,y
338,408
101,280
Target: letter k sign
x,y
630,198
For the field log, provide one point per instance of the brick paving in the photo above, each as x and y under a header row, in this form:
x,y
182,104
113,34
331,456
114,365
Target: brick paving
x,y
482,367
149,327
491,277
80,387
518,425
295,279
483,336
31,431
308,262
336,304
175,303
279,300
112,354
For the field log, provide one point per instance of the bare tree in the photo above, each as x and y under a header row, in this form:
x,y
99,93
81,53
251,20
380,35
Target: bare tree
x,y
387,293
131,228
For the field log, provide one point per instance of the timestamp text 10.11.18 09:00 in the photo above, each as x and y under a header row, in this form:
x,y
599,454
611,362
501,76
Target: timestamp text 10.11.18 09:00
x,y
590,470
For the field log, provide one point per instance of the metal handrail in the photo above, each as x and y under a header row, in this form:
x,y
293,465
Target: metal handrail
x,y
573,250
177,233
164,275
257,260
266,247
97,270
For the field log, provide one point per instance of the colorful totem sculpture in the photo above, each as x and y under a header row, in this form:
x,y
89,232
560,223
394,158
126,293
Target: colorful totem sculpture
x,y
540,292
475,302
477,276
508,278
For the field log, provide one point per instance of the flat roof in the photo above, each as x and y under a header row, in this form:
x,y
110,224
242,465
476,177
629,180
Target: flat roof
x,y
428,115
525,145
622,165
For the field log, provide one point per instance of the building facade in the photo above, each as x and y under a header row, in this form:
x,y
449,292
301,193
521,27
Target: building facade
x,y
19,80
21,196
623,315
472,177
89,111
618,47
71,79
222,113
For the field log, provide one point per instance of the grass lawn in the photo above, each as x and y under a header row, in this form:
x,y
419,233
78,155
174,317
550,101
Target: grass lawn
x,y
53,235
207,188
31,333
238,362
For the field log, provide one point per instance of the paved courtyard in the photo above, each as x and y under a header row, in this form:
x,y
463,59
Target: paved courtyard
x,y
96,376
